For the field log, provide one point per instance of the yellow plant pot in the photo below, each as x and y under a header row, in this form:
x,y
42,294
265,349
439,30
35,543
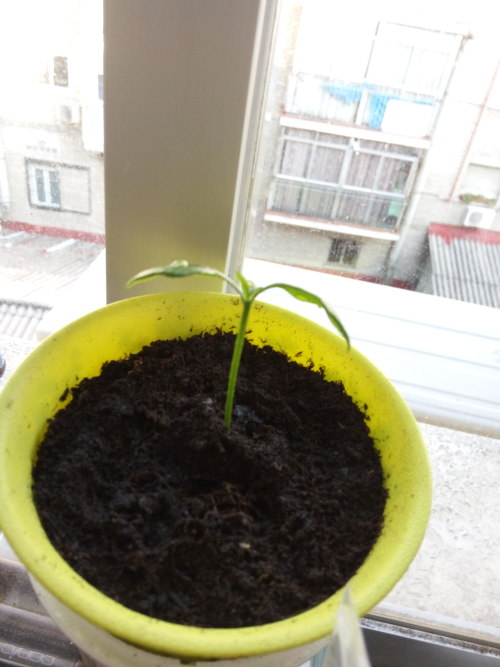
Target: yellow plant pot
x,y
33,394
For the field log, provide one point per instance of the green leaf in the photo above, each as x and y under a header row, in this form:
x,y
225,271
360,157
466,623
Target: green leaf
x,y
247,287
247,291
180,268
309,297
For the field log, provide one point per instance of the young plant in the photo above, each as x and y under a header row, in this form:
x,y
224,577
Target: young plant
x,y
248,293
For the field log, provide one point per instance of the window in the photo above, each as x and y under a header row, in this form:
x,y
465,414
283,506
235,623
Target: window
x,y
442,342
59,186
480,184
44,185
414,331
61,71
55,71
51,153
43,76
438,384
411,58
298,156
369,72
344,251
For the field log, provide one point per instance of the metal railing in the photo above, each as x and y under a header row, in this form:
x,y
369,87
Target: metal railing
x,y
336,204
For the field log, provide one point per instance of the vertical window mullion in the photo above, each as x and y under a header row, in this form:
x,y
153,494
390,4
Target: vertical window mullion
x,y
196,140
40,184
55,191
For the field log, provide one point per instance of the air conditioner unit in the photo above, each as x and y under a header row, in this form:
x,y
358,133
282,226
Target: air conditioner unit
x,y
479,216
69,114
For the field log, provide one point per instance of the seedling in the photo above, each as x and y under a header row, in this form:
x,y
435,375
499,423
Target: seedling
x,y
247,292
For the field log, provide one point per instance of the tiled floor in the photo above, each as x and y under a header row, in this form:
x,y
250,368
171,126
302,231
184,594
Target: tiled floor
x,y
36,268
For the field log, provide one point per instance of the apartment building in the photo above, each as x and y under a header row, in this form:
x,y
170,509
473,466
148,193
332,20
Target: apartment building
x,y
381,126
51,118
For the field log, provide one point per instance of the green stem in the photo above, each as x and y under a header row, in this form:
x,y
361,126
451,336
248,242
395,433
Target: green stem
x,y
180,268
235,361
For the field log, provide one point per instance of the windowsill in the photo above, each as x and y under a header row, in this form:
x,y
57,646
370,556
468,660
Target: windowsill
x,y
442,355
453,584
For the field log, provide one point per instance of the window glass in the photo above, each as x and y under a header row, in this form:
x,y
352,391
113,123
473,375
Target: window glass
x,y
100,86
326,164
344,251
417,123
411,57
51,161
44,185
295,158
389,146
379,161
61,77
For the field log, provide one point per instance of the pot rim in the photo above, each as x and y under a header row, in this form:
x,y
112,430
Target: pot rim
x,y
407,472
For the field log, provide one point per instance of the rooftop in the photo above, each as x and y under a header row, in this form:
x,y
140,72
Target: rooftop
x,y
20,319
465,263
36,267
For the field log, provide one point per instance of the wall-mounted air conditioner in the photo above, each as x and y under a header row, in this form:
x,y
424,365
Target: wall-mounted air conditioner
x,y
479,216
69,114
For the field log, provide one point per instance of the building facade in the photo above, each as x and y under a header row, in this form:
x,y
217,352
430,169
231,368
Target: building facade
x,y
51,118
379,126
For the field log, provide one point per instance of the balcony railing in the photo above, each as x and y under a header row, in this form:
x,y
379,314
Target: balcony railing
x,y
336,204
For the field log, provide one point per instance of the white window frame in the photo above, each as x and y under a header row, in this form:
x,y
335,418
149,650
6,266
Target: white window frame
x,y
163,146
177,131
48,172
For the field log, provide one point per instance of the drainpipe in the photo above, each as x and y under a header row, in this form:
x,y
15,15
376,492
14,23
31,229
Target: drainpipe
x,y
397,247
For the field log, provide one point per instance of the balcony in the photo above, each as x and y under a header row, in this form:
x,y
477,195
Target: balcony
x,y
363,104
334,204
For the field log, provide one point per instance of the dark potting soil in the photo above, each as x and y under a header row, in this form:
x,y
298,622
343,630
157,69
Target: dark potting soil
x,y
146,494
